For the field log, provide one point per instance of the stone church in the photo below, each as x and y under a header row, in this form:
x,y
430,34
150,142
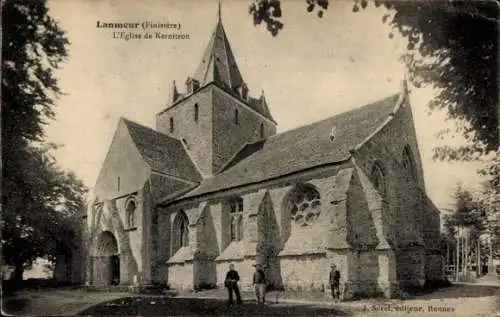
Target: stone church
x,y
214,184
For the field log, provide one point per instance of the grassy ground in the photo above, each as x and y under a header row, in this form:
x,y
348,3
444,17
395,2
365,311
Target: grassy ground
x,y
154,306
53,302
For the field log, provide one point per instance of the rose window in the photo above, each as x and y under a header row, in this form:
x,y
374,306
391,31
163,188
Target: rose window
x,y
306,207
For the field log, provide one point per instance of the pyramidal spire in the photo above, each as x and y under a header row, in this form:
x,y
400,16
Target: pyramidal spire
x,y
218,64
219,18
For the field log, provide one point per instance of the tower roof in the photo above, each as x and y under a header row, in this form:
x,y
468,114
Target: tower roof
x,y
218,63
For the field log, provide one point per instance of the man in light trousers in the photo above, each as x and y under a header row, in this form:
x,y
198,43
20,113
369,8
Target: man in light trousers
x,y
259,281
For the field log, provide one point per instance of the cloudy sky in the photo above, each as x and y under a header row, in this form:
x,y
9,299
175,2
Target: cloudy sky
x,y
313,69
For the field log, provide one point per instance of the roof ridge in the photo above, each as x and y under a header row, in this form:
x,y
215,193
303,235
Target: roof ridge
x,y
232,158
151,145
335,115
305,148
399,102
126,120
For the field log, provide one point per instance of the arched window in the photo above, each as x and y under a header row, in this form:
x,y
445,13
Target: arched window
x,y
236,116
130,209
409,163
240,228
262,130
180,236
184,234
236,219
196,110
233,229
304,204
171,125
378,179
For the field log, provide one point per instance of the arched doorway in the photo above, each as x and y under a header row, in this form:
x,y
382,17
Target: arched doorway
x,y
107,251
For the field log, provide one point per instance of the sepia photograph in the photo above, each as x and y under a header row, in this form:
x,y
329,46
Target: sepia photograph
x,y
250,158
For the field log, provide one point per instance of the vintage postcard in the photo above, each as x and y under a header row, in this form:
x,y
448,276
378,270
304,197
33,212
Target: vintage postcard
x,y
249,157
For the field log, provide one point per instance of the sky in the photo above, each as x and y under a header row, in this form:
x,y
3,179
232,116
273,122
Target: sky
x,y
315,68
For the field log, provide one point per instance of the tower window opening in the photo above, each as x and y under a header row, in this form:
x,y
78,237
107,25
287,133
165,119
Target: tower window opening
x,y
171,125
236,116
196,112
262,130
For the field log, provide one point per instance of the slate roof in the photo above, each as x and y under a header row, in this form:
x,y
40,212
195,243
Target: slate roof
x,y
162,153
182,255
300,149
236,250
260,105
218,63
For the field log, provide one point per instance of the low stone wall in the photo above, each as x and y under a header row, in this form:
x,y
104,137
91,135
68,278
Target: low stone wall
x,y
304,272
205,276
411,267
181,275
434,268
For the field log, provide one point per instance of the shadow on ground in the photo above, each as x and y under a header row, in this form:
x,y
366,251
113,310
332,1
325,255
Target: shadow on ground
x,y
155,306
14,305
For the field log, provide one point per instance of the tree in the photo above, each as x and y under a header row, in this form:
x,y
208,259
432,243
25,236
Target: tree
x,y
39,200
452,46
466,224
42,205
490,198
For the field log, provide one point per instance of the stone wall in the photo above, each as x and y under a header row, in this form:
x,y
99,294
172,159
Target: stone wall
x,y
362,231
305,272
405,213
181,275
117,181
207,138
162,253
119,176
352,230
411,265
198,134
108,219
434,267
368,273
229,137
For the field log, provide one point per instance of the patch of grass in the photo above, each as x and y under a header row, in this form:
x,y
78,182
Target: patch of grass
x,y
14,304
162,306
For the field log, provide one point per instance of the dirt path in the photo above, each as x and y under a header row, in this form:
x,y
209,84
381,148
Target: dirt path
x,y
54,302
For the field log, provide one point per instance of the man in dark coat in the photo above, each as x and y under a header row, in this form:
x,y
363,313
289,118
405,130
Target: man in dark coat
x,y
335,282
231,283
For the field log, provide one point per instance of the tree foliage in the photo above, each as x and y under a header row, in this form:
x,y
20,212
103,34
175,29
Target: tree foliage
x,y
490,197
469,212
452,46
40,201
33,46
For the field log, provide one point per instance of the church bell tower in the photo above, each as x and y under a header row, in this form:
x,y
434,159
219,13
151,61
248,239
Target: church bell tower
x,y
215,116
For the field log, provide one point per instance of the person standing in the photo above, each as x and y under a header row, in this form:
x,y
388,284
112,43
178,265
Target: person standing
x,y
259,282
231,283
335,282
